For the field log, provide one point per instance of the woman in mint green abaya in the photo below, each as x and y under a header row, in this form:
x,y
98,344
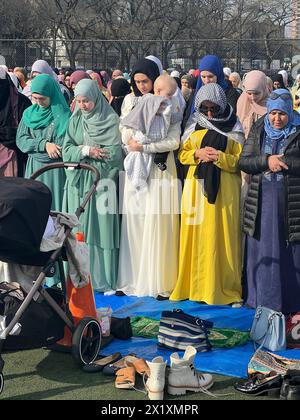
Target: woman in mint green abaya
x,y
93,137
41,134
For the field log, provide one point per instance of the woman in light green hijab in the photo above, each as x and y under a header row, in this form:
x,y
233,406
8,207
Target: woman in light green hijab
x,y
93,137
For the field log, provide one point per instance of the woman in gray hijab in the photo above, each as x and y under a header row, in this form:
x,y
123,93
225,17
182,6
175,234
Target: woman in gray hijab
x,y
210,239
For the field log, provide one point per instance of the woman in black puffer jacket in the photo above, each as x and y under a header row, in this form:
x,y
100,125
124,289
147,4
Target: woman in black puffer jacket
x,y
271,222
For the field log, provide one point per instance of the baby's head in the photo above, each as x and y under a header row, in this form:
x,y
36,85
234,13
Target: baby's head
x,y
165,85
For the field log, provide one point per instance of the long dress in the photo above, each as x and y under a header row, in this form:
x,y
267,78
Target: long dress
x,y
273,265
101,229
150,224
210,237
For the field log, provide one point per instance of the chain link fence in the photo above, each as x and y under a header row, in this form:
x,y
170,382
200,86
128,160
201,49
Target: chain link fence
x,y
240,54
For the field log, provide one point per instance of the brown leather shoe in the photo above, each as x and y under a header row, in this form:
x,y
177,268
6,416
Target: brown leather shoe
x,y
125,378
140,365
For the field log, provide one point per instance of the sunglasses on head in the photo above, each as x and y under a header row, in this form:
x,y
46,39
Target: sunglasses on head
x,y
215,109
285,95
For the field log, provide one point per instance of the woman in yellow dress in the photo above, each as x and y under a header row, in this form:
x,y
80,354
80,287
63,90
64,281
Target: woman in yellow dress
x,y
210,238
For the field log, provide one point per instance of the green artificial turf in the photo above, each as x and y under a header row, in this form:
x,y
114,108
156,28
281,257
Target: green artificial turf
x,y
47,375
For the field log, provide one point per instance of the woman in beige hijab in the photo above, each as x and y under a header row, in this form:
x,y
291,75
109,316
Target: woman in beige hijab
x,y
251,104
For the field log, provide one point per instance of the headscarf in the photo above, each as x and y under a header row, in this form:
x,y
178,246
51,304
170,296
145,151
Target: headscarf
x,y
227,71
101,125
119,89
214,65
237,77
78,75
105,78
248,111
286,106
20,75
269,84
157,62
147,67
175,74
285,77
96,76
188,78
42,67
214,93
36,117
278,78
15,81
8,102
214,137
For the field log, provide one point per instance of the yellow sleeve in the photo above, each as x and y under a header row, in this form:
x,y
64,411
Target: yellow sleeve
x,y
187,151
228,160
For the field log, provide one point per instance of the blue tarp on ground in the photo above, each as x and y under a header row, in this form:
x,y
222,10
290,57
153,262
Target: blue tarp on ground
x,y
229,362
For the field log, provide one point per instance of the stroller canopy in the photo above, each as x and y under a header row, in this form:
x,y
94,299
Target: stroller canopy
x,y
24,210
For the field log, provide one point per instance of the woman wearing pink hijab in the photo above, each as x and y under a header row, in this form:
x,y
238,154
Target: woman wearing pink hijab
x,y
96,76
251,104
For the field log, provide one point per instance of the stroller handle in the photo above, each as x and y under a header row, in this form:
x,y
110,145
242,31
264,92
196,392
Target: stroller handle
x,y
63,165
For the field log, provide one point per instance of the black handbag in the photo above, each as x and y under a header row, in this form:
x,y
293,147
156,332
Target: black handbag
x,y
121,328
177,330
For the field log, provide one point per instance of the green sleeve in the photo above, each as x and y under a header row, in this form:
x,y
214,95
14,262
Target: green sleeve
x,y
71,150
28,143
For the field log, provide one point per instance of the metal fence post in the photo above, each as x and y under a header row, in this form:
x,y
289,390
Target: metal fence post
x,y
92,46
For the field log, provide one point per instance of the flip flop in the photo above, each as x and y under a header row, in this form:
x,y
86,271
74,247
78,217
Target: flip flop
x,y
99,364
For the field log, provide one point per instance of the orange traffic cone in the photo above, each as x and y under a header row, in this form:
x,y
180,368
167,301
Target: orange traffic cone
x,y
81,303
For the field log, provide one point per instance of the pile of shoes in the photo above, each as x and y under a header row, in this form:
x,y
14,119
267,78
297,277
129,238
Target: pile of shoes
x,y
285,387
177,379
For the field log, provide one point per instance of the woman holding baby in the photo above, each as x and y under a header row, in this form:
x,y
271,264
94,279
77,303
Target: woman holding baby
x,y
150,222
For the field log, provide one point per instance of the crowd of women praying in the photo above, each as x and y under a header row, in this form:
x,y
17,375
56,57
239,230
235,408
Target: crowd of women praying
x,y
202,170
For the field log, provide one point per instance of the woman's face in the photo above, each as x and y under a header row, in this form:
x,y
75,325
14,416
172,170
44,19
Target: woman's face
x,y
276,85
209,109
278,119
42,101
254,96
235,82
208,77
34,74
85,104
67,81
184,83
143,83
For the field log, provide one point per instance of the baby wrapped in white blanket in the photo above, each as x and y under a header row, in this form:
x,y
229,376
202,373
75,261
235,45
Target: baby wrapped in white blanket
x,y
150,119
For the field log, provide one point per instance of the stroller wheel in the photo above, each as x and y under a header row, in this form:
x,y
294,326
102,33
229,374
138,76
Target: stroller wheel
x,y
86,341
1,382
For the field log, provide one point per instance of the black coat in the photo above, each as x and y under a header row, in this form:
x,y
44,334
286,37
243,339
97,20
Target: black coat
x,y
254,162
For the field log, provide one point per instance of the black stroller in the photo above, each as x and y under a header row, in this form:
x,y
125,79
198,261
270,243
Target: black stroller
x,y
24,211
